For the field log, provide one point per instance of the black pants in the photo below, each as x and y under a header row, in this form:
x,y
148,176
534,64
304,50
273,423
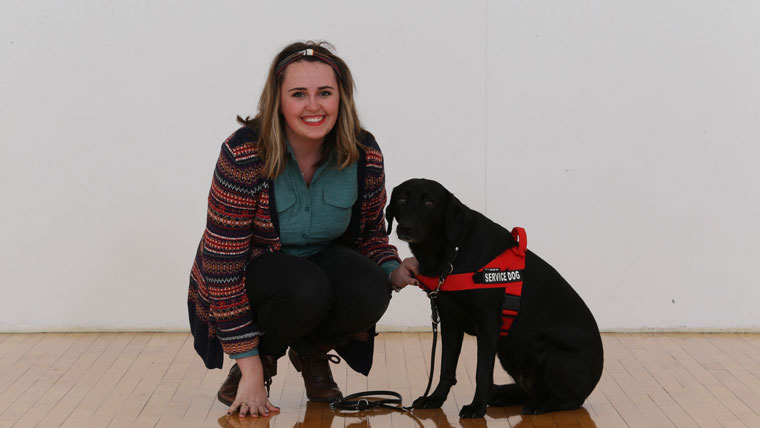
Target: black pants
x,y
315,302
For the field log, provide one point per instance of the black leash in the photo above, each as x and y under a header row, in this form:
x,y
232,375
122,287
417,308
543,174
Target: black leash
x,y
360,401
436,320
433,296
367,400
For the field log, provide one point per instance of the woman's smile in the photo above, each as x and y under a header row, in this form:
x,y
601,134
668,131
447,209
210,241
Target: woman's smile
x,y
313,120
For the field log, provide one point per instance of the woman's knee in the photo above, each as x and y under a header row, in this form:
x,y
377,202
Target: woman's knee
x,y
374,302
363,306
282,286
309,301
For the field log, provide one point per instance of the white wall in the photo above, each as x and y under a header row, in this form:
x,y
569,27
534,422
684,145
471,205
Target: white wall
x,y
622,135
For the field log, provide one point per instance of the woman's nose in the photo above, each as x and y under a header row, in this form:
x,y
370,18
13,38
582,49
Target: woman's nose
x,y
313,103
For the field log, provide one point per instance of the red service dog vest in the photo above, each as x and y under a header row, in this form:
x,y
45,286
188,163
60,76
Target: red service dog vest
x,y
505,271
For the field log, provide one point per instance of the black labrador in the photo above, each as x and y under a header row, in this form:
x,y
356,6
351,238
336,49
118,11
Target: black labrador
x,y
553,350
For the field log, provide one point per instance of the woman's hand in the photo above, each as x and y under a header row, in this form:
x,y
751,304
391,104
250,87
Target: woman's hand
x,y
251,398
404,274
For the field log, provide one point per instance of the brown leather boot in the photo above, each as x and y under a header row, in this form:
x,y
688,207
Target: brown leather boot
x,y
228,390
317,377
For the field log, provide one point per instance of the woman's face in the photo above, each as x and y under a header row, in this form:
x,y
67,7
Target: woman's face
x,y
309,101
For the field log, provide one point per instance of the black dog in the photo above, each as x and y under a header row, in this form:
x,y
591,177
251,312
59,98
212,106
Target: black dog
x,y
553,350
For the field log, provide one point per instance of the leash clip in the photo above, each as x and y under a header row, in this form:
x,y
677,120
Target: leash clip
x,y
363,404
434,314
441,279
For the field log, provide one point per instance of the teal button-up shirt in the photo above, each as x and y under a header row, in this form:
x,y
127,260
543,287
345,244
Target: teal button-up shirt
x,y
312,217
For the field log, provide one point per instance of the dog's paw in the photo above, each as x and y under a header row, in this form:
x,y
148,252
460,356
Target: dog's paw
x,y
506,395
496,401
431,402
473,410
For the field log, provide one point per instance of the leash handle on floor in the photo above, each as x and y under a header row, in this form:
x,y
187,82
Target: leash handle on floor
x,y
359,401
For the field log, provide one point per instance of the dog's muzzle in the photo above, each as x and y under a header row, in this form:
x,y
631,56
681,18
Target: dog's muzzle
x,y
406,234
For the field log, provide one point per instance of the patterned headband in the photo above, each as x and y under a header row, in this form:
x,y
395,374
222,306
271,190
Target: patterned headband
x,y
306,52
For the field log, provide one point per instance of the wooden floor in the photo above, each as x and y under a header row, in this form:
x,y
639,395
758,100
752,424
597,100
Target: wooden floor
x,y
156,380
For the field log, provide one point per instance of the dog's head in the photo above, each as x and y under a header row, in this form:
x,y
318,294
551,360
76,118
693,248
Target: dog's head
x,y
426,213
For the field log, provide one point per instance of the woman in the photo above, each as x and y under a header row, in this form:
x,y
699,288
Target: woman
x,y
295,252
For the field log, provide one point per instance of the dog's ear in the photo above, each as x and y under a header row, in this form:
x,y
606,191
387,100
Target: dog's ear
x,y
389,211
458,218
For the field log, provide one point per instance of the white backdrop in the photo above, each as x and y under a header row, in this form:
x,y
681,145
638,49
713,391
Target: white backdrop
x,y
622,135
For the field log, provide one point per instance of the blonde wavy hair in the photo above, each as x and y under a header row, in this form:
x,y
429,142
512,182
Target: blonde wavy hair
x,y
268,122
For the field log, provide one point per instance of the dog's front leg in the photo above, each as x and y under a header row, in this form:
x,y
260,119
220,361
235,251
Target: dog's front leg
x,y
487,338
451,345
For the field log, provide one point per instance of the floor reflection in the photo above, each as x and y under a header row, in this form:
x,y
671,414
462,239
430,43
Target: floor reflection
x,y
320,415
236,421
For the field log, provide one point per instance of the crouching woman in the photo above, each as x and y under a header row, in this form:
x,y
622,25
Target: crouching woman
x,y
295,253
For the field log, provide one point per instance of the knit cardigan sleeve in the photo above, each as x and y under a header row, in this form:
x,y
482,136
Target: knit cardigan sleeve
x,y
372,240
219,269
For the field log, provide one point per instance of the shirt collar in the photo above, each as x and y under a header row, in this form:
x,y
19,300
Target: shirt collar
x,y
289,149
330,159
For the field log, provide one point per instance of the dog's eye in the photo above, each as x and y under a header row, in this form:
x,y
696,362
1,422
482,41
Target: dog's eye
x,y
429,204
401,201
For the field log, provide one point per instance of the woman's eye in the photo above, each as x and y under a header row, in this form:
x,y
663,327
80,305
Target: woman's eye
x,y
325,93
297,94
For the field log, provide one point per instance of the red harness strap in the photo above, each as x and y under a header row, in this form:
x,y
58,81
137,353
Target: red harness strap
x,y
505,271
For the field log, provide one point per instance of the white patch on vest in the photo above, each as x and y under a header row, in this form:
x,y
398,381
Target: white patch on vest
x,y
496,277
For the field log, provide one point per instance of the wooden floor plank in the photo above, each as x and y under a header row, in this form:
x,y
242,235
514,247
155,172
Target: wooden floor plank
x,y
601,413
104,386
151,394
187,373
695,397
379,381
116,400
82,384
738,359
58,379
414,359
17,399
203,399
652,381
8,342
156,380
19,354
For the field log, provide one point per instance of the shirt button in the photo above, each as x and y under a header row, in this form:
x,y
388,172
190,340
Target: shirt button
x,y
304,236
307,209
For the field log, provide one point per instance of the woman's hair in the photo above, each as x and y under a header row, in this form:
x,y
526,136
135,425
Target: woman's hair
x,y
270,124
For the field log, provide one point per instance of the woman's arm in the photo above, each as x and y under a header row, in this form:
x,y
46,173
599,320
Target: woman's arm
x,y
373,238
226,247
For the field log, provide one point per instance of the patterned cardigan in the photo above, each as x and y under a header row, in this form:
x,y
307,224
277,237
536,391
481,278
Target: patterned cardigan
x,y
242,225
